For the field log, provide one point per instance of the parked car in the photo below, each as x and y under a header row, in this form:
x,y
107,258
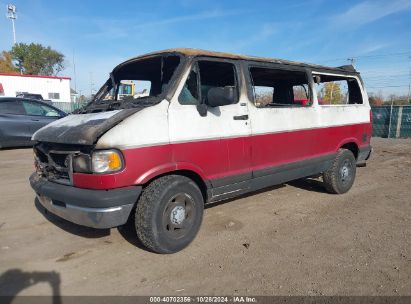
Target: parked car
x,y
213,126
20,118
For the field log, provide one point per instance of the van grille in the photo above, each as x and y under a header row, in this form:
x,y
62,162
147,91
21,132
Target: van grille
x,y
54,162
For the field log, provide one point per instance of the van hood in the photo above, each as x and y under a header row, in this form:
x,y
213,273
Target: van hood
x,y
82,129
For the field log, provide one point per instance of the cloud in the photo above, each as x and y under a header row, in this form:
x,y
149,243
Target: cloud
x,y
122,28
193,17
369,11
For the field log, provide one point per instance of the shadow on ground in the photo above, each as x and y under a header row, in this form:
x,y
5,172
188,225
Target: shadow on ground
x,y
13,281
128,231
308,184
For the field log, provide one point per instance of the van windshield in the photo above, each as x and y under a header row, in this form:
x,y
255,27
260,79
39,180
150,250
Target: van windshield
x,y
135,84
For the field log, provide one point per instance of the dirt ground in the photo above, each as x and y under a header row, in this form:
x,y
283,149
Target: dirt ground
x,y
294,239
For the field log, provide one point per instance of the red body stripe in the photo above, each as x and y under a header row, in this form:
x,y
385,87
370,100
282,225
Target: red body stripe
x,y
218,158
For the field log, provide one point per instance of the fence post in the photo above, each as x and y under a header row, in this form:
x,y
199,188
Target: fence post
x,y
399,118
389,125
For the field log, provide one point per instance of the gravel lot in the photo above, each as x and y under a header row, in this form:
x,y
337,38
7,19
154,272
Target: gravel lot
x,y
293,239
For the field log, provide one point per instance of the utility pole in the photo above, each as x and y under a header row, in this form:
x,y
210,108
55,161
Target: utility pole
x,y
91,85
409,89
74,72
409,85
12,15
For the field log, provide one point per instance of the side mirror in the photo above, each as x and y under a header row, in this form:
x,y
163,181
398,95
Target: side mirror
x,y
221,96
202,109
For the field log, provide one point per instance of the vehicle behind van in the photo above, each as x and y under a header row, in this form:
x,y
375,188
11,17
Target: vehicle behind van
x,y
209,126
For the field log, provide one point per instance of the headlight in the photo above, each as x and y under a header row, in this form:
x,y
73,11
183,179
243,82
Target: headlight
x,y
106,161
103,161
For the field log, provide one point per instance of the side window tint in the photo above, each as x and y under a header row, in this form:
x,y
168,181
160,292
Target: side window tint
x,y
337,90
218,81
189,93
38,109
33,108
11,107
48,111
279,88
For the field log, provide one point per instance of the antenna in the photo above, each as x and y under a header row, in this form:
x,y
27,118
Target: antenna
x,y
352,60
12,15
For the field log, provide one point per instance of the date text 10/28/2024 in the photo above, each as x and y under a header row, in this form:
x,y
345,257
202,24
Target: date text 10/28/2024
x,y
203,299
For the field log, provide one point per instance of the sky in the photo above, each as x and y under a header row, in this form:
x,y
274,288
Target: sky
x,y
95,36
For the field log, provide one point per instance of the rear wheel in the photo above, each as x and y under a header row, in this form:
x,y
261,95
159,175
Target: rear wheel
x,y
339,178
169,213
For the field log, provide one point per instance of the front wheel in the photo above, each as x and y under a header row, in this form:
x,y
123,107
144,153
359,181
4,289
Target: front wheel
x,y
339,178
169,213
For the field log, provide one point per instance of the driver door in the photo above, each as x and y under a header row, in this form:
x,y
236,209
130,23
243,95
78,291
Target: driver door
x,y
217,140
39,115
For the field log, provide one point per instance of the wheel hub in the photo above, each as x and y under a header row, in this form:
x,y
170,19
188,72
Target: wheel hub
x,y
345,171
177,215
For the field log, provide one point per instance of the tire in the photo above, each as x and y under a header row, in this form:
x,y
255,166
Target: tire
x,y
339,178
169,214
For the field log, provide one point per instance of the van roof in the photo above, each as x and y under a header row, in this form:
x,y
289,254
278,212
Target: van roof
x,y
199,52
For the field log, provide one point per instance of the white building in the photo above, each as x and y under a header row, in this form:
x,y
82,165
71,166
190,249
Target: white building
x,y
55,88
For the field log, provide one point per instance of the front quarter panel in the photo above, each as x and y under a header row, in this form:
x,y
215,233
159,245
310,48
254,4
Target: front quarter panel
x,y
145,128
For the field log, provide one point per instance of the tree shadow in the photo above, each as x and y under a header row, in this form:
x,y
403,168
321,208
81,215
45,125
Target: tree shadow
x,y
13,281
70,227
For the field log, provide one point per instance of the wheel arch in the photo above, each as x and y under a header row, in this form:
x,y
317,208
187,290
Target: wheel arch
x,y
351,145
189,171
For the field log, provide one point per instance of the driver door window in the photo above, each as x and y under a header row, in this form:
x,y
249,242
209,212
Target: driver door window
x,y
204,76
37,109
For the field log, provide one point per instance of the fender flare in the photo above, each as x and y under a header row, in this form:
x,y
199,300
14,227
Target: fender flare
x,y
169,168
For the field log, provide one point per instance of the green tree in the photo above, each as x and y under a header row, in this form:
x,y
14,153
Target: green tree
x,y
332,93
36,59
6,63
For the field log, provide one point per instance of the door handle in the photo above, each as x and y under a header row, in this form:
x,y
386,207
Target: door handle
x,y
240,117
35,119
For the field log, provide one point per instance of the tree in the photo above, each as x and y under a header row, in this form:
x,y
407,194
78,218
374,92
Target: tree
x,y
6,63
36,59
332,93
376,99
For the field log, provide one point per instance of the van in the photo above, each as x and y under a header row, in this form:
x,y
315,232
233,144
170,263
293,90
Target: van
x,y
209,126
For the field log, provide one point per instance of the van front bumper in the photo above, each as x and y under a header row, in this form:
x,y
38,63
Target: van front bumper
x,y
86,207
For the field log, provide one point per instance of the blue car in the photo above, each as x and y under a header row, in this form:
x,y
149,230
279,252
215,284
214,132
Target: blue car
x,y
21,117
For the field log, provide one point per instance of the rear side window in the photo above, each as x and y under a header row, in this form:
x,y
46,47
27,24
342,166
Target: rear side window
x,y
207,75
337,90
279,88
11,107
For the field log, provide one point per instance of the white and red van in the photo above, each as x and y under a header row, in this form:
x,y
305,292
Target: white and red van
x,y
213,126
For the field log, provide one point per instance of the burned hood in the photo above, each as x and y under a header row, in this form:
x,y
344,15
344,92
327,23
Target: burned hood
x,y
82,129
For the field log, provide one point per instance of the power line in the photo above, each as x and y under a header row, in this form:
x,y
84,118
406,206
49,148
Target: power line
x,y
370,56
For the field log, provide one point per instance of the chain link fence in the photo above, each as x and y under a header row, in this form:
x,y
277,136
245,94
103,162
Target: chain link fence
x,y
391,121
68,107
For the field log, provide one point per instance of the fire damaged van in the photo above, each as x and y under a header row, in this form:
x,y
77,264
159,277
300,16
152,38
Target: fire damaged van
x,y
199,127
